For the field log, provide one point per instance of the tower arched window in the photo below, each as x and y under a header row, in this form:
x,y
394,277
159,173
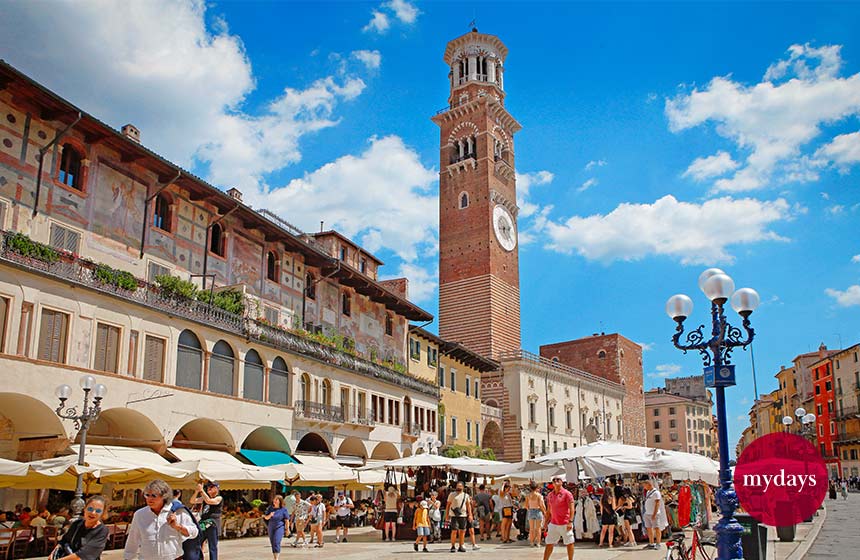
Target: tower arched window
x,y
272,266
161,216
189,361
602,354
279,382
70,168
216,240
464,200
221,367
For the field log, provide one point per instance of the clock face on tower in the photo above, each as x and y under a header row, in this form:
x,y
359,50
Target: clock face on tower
x,y
505,228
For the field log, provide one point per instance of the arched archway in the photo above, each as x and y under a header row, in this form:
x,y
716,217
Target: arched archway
x,y
493,437
204,433
352,447
123,426
266,438
222,369
24,418
312,442
407,452
385,451
189,361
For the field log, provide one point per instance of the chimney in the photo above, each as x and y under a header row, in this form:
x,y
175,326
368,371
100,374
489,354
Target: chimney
x,y
235,194
131,132
822,350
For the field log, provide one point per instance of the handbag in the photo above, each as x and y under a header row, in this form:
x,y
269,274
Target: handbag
x,y
507,511
400,516
64,548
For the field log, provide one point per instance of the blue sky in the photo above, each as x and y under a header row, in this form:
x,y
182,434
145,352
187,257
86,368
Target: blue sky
x,y
658,140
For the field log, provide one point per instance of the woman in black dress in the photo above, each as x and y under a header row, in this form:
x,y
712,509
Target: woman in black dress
x,y
86,537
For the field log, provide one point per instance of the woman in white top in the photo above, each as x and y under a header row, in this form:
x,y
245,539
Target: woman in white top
x,y
655,514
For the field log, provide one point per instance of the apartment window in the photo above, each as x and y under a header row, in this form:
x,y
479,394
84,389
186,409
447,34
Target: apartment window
x,y
432,355
832,428
468,430
346,304
829,406
656,438
671,410
672,423
818,408
583,421
453,380
389,324
464,200
828,386
555,446
532,413
839,386
552,416
477,385
414,349
532,446
477,434
454,427
272,266
673,436
543,447
107,348
689,424
310,286
468,386
821,432
216,240
656,412
656,424
70,168
396,413
155,270
818,389
64,238
253,378
153,358
344,253
362,265
442,376
53,333
837,364
161,216
567,422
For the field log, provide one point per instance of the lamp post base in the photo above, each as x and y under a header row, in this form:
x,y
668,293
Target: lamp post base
x,y
728,529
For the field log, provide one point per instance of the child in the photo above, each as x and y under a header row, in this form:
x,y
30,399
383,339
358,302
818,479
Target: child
x,y
421,524
436,520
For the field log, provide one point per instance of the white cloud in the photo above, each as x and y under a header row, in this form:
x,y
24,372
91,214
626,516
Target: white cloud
x,y
525,181
594,163
401,10
711,166
855,259
371,59
691,233
422,282
379,23
825,195
404,11
587,185
383,197
843,151
836,209
847,298
665,370
773,122
646,346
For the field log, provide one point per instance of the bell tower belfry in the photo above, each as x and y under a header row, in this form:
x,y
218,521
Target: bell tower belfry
x,y
479,295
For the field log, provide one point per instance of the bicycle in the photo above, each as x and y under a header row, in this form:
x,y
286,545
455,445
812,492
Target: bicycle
x,y
704,549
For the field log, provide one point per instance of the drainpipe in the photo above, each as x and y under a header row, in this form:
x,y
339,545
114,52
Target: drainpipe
x,y
317,281
146,208
206,246
42,151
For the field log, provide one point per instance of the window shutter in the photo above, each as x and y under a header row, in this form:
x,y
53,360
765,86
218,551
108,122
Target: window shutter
x,y
58,236
112,349
4,309
101,347
46,327
52,336
153,360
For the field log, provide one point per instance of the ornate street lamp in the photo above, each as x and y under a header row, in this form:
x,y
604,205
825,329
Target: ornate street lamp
x,y
719,373
88,413
806,420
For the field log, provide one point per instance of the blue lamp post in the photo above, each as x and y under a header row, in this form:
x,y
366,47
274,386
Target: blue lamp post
x,y
719,374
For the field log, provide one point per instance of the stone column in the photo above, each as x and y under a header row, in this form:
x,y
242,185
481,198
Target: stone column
x,y
456,69
473,69
491,70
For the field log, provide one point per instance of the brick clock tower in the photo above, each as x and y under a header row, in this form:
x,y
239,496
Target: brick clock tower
x,y
479,286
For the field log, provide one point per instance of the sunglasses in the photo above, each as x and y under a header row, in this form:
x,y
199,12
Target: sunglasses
x,y
145,495
94,510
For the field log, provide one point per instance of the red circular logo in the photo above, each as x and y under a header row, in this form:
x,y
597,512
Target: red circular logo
x,y
780,479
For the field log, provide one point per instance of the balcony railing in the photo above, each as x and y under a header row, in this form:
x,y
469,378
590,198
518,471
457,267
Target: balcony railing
x,y
70,268
538,360
319,411
492,412
846,412
353,415
410,429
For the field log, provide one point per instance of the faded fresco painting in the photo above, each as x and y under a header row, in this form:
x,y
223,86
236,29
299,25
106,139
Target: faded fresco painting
x,y
245,263
118,205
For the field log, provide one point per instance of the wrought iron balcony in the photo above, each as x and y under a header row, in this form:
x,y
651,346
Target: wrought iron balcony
x,y
352,415
319,411
846,412
79,271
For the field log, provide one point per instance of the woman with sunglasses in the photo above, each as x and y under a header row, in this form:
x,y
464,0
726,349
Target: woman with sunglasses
x,y
86,538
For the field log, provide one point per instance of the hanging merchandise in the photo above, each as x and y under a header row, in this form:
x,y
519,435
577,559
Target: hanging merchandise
x,y
404,485
685,498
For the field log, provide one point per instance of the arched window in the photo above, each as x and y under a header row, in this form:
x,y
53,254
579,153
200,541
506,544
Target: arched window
x,y
464,200
70,168
346,304
602,354
325,396
305,388
310,286
216,240
221,367
189,361
161,217
272,266
279,382
253,380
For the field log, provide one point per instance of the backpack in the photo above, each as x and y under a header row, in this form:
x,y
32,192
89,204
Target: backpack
x,y
191,548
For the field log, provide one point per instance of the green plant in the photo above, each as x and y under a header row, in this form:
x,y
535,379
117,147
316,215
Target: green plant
x,y
470,450
173,286
23,245
119,278
232,301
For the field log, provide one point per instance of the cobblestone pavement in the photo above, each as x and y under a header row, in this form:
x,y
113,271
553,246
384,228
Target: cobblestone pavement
x,y
840,535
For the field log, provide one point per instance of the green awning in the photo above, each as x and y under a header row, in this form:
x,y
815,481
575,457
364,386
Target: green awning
x,y
267,458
